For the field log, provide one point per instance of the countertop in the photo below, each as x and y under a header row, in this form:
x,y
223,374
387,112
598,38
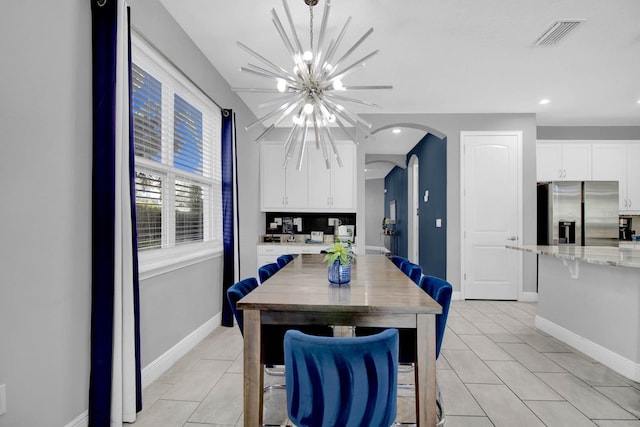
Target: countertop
x,y
604,255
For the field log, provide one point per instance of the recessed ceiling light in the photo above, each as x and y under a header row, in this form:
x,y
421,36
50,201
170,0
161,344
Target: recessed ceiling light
x,y
396,130
544,101
638,101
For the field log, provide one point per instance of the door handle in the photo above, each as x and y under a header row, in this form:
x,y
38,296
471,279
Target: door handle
x,y
512,238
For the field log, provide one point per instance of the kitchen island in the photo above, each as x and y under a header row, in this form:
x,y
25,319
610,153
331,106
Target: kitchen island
x,y
589,298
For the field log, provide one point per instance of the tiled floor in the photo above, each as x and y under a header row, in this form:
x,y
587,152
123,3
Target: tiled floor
x,y
495,369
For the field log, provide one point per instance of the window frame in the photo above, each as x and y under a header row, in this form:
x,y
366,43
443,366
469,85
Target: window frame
x,y
171,256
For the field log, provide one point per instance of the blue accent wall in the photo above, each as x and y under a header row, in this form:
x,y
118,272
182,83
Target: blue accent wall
x,y
432,159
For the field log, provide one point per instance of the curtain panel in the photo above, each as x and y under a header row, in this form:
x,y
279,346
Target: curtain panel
x,y
115,381
229,213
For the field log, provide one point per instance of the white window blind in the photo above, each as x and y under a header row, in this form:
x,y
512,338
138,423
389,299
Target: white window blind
x,y
177,147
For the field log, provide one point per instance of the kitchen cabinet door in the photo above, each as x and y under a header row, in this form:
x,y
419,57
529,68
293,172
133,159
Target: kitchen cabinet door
x,y
563,161
343,179
320,182
272,177
633,179
610,164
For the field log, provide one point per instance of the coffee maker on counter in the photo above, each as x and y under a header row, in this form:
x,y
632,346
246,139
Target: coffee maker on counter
x,y
624,228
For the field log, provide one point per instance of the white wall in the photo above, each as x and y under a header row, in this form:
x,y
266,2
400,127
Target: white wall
x,y
45,213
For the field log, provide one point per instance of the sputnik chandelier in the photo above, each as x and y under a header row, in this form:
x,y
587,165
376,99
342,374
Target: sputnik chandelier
x,y
312,90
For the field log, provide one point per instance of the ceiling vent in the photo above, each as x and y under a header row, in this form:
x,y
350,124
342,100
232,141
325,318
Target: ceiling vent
x,y
557,32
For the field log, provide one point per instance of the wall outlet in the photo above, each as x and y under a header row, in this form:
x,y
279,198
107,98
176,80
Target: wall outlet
x,y
3,399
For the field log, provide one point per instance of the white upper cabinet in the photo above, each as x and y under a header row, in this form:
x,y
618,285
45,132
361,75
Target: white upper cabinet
x,y
615,162
313,189
281,189
563,161
333,189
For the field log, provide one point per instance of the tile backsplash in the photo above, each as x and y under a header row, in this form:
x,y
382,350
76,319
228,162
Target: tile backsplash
x,y
310,221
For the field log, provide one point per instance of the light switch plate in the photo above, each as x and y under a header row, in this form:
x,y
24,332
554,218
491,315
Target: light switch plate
x,y
438,222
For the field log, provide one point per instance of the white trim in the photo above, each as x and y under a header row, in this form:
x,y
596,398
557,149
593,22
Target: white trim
x,y
155,369
457,296
618,363
156,262
528,297
81,420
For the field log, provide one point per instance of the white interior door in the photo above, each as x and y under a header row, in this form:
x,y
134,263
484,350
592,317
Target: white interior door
x,y
413,222
491,214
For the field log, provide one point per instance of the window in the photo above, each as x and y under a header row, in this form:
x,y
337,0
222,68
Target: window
x,y
177,158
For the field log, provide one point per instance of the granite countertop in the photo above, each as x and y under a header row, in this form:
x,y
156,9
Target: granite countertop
x,y
604,255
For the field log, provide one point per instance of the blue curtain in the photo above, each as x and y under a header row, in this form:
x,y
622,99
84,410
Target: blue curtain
x,y
114,243
229,213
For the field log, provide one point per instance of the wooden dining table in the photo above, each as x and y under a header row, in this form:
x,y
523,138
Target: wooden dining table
x,y
379,295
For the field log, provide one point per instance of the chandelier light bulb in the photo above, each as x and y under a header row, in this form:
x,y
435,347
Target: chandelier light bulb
x,y
308,108
307,57
337,84
282,85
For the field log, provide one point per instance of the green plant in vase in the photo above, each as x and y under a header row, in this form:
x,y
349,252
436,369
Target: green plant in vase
x,y
339,258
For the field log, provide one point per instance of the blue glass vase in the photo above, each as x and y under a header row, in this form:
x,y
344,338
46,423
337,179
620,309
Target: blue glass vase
x,y
339,274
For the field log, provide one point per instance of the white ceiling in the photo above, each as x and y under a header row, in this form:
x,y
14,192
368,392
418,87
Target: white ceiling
x,y
458,56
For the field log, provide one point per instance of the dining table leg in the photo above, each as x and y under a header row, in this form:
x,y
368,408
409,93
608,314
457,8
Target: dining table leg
x,y
253,369
425,370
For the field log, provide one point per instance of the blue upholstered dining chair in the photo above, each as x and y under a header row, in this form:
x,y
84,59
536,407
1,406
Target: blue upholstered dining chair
x,y
346,381
398,260
414,271
267,271
440,290
284,260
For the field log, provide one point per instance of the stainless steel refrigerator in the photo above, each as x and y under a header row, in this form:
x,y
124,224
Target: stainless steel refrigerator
x,y
581,213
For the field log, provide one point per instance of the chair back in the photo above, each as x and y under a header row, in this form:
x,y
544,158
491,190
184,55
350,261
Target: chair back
x,y
235,293
267,271
284,260
398,260
440,290
334,381
414,271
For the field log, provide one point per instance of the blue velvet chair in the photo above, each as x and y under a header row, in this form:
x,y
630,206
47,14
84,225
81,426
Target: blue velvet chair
x,y
272,335
398,260
267,271
284,260
414,271
343,382
440,290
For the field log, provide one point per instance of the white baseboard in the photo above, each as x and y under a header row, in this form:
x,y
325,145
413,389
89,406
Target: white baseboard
x,y
528,297
155,369
81,420
456,295
618,363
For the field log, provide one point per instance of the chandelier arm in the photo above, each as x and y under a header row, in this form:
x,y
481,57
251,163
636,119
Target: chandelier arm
x,y
333,142
255,90
283,34
374,87
323,144
345,114
303,145
293,28
323,28
351,68
288,111
266,73
349,99
266,61
315,128
353,48
288,96
289,146
333,51
265,133
284,106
